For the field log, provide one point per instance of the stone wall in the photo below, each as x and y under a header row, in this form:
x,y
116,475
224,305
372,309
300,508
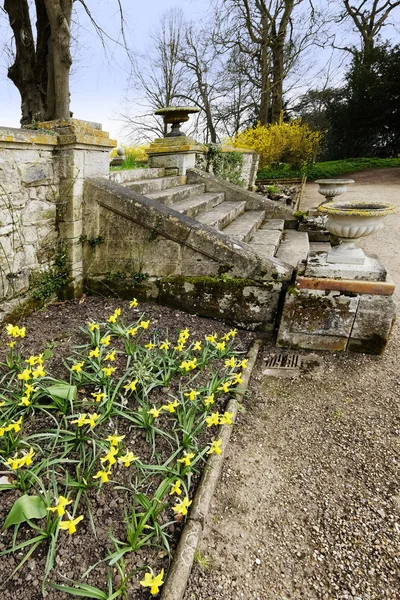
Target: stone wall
x,y
41,187
29,191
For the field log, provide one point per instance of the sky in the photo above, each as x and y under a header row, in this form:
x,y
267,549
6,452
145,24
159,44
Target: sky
x,y
99,81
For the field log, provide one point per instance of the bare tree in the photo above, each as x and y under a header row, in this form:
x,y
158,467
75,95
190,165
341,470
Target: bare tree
x,y
369,17
42,61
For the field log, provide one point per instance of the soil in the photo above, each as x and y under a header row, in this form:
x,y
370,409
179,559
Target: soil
x,y
309,503
57,330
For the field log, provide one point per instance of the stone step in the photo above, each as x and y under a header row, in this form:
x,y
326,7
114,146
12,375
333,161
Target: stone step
x,y
294,247
265,242
146,186
220,216
192,207
278,224
244,227
173,195
135,175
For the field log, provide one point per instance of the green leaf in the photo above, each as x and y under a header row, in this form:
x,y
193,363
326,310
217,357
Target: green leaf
x,y
65,391
26,507
84,591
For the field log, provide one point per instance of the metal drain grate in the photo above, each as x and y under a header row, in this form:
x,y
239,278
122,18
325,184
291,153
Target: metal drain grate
x,y
282,365
283,361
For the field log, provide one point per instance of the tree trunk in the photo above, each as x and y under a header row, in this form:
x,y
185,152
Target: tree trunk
x,y
23,73
59,14
265,86
277,83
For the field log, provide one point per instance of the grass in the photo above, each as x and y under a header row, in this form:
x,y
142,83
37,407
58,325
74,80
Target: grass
x,y
328,169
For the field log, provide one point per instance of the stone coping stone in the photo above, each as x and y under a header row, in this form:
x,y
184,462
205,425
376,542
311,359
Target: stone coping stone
x,y
371,270
356,286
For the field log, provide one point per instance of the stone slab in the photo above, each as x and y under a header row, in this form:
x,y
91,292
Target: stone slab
x,y
319,247
312,342
274,224
373,324
371,270
376,288
318,313
294,247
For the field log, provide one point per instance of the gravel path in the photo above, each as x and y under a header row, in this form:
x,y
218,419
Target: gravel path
x,y
309,502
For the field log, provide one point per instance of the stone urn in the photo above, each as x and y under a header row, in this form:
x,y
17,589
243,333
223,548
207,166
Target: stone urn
x,y
350,221
175,115
330,188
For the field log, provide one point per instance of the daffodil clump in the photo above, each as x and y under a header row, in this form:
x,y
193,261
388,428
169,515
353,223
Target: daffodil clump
x,y
136,417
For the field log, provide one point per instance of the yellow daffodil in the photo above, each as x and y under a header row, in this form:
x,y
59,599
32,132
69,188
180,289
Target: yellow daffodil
x,y
226,418
71,524
39,372
25,375
181,507
165,345
215,447
94,353
2,403
91,420
144,324
103,475
105,341
131,385
110,456
197,346
176,488
209,400
93,326
154,582
149,346
80,421
77,367
243,364
188,365
11,344
237,379
186,460
133,303
192,395
211,338
230,362
29,389
184,333
155,412
213,419
179,348
171,406
62,502
16,426
24,401
232,332
16,463
32,360
115,439
108,371
133,331
98,396
220,345
112,319
15,331
225,387
110,356
127,459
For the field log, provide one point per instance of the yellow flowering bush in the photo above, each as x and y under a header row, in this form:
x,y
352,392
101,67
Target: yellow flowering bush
x,y
291,142
133,153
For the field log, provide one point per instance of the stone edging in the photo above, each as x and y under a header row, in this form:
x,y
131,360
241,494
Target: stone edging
x,y
175,585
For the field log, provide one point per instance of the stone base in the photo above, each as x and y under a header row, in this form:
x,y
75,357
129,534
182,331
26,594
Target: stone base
x,y
174,153
345,255
371,270
336,321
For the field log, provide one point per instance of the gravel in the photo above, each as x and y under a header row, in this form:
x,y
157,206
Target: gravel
x,y
309,502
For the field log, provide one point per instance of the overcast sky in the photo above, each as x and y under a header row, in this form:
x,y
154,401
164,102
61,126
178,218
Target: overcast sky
x,y
98,83
99,80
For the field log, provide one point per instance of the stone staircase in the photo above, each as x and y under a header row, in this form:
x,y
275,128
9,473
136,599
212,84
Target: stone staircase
x,y
267,237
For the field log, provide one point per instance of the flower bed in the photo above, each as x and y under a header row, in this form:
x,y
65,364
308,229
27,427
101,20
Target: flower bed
x,y
100,460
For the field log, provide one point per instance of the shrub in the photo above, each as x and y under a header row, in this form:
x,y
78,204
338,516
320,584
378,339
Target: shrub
x,y
292,142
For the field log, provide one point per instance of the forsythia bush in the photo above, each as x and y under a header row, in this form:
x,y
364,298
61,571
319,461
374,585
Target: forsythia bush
x,y
290,142
133,153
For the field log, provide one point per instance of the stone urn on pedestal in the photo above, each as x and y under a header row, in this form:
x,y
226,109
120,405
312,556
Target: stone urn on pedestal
x,y
350,221
175,116
330,188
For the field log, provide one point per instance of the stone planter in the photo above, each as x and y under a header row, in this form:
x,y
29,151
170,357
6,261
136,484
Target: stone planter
x,y
330,188
174,116
350,221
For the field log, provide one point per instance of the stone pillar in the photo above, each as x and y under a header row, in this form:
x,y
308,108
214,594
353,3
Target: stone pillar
x,y
83,150
174,154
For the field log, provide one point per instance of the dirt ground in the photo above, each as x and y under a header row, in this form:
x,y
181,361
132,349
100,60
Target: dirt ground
x,y
309,503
